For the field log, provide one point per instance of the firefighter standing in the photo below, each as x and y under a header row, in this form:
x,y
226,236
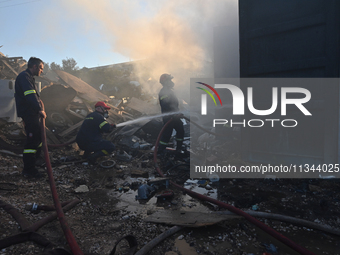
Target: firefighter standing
x,y
169,103
29,108
89,137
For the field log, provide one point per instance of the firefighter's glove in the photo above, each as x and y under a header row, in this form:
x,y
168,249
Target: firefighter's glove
x,y
112,127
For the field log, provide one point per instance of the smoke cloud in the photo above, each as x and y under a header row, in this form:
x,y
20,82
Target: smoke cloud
x,y
173,37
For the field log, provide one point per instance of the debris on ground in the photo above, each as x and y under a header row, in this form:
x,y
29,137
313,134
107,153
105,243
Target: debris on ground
x,y
124,195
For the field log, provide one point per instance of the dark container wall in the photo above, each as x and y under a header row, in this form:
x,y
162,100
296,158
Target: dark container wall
x,y
293,39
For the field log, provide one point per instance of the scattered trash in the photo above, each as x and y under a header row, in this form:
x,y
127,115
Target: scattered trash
x,y
145,146
189,182
82,189
214,177
130,142
123,156
165,195
31,207
202,183
139,173
255,207
160,181
135,185
270,248
145,191
126,186
107,163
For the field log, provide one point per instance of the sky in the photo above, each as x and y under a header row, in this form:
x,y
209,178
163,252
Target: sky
x,y
45,29
104,32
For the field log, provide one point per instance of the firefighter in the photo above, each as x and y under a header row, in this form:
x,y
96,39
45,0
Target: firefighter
x,y
89,137
29,108
169,103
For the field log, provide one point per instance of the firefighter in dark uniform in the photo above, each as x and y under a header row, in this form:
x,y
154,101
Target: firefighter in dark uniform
x,y
29,108
169,103
89,137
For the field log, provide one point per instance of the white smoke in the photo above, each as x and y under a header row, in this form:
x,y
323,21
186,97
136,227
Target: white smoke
x,y
173,36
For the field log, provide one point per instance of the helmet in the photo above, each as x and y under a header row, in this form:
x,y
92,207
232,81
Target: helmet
x,y
102,104
165,77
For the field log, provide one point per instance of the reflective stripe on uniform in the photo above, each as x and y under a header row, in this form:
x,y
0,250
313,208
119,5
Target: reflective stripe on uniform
x,y
40,145
27,92
179,139
89,118
102,124
29,151
165,96
163,143
105,152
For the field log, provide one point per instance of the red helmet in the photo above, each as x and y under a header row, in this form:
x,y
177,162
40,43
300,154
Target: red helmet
x,y
165,77
102,104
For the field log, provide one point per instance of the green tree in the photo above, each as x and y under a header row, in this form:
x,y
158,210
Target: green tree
x,y
55,66
70,66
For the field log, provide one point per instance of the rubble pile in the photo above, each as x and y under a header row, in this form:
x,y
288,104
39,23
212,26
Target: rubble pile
x,y
11,67
67,104
109,210
123,194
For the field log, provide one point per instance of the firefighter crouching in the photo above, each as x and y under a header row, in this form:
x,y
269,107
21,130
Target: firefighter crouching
x,y
169,103
89,137
29,108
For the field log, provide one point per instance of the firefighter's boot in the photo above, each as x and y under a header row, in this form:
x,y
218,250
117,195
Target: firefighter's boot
x,y
29,170
93,157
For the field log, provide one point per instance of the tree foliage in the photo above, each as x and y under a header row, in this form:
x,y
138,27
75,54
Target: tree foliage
x,y
55,66
70,65
116,78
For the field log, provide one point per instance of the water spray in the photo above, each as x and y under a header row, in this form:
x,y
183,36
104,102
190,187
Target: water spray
x,y
129,122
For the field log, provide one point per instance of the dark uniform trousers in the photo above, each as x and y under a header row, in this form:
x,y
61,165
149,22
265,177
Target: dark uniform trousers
x,y
176,124
100,148
32,148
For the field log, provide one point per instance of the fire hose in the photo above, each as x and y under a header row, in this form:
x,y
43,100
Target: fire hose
x,y
65,227
231,208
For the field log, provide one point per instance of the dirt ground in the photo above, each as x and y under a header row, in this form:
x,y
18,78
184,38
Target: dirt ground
x,y
109,210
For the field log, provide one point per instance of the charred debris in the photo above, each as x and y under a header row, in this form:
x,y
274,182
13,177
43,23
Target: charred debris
x,y
124,195
68,100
